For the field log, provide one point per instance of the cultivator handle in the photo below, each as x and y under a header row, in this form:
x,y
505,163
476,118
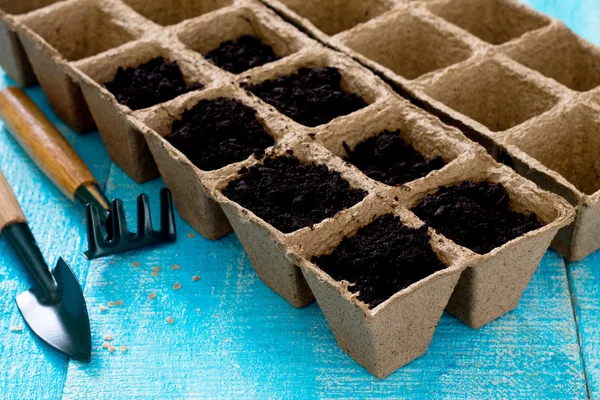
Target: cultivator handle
x,y
10,211
43,142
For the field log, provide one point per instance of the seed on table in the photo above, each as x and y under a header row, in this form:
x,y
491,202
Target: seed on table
x,y
112,349
105,345
191,235
175,266
154,273
119,302
108,337
170,320
111,303
177,286
152,296
103,308
195,278
16,328
123,348
136,263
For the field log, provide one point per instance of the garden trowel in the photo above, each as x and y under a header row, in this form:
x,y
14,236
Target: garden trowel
x,y
54,307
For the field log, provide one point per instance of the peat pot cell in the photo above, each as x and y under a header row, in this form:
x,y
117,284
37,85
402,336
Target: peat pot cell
x,y
151,83
83,29
17,7
492,94
494,21
387,158
291,195
334,16
477,216
381,259
311,96
215,133
250,40
175,11
561,55
568,143
424,48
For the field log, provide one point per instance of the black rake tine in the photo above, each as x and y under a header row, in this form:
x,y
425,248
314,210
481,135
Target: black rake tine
x,y
119,221
144,221
94,231
167,216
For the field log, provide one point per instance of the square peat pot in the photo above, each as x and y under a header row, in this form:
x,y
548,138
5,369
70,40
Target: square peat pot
x,y
53,37
191,186
167,13
323,19
399,329
355,80
577,66
428,42
125,144
559,151
12,57
268,247
493,21
493,283
247,18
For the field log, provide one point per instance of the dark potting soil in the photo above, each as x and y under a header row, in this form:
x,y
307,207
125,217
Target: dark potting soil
x,y
389,159
383,258
290,195
312,96
149,84
219,132
475,215
242,54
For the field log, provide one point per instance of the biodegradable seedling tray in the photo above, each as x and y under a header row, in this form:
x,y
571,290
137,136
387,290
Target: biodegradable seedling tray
x,y
191,186
127,33
486,66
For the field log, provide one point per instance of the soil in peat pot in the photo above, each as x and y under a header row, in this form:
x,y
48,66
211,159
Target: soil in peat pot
x,y
291,195
219,132
381,259
475,215
387,158
154,82
242,54
311,97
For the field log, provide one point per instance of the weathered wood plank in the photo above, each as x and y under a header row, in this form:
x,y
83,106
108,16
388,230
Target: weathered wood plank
x,y
29,368
232,337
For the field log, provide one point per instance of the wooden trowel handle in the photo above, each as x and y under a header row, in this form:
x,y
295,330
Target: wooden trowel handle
x,y
43,142
10,211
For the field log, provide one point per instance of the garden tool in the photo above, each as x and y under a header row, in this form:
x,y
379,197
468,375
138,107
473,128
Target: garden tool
x,y
54,307
59,161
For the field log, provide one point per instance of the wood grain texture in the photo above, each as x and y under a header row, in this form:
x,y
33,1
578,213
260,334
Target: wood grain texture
x,y
10,211
232,337
29,369
43,142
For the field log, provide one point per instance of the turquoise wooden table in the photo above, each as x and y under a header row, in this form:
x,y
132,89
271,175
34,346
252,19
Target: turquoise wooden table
x,y
232,337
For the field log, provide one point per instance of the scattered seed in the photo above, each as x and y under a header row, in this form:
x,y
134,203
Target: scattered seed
x,y
111,303
170,320
108,338
136,264
195,278
112,349
154,273
16,328
123,348
152,296
175,266
156,269
105,345
191,235
177,286
119,302
103,308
